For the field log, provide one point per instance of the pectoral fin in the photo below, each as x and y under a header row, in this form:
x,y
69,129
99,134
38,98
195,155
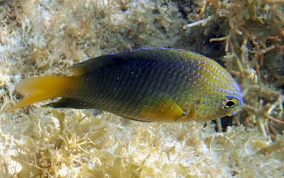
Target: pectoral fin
x,y
161,108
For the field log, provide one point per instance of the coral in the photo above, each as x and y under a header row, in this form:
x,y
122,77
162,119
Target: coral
x,y
45,37
253,45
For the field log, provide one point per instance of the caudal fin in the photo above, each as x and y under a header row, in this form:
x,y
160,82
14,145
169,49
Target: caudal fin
x,y
41,88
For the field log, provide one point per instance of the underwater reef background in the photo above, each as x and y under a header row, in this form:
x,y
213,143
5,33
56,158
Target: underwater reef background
x,y
45,37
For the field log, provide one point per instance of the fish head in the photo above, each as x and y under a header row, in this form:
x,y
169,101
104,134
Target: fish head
x,y
216,108
213,108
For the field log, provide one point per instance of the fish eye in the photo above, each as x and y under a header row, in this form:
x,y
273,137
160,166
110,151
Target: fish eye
x,y
229,103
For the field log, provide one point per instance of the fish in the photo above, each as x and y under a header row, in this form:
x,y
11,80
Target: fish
x,y
147,84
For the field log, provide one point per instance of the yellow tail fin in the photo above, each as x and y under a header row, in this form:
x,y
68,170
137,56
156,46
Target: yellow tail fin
x,y
41,88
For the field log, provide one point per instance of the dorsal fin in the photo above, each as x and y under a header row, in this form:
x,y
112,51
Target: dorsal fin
x,y
94,64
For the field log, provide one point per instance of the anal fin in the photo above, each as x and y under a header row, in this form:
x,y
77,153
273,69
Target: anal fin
x,y
71,103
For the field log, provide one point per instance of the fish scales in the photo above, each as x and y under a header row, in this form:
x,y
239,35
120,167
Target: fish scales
x,y
155,84
145,76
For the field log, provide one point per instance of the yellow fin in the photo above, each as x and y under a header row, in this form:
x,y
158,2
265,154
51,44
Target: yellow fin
x,y
41,88
163,109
